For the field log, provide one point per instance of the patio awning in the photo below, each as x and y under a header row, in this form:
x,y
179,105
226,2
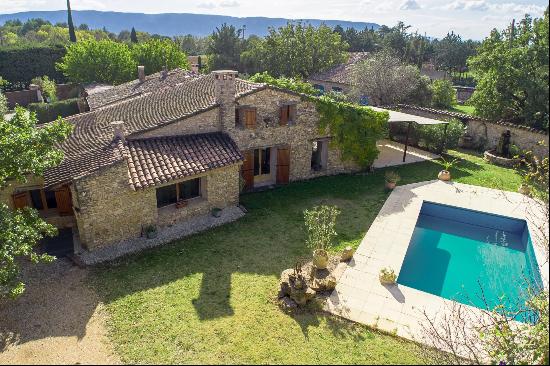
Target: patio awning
x,y
410,119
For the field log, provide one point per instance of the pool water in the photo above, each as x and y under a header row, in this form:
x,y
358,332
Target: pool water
x,y
471,257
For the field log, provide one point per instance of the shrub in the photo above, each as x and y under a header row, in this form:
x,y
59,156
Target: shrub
x,y
19,65
392,177
320,223
47,86
432,137
443,94
46,112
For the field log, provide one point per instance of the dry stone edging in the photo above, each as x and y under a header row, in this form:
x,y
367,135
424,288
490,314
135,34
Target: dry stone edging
x,y
165,236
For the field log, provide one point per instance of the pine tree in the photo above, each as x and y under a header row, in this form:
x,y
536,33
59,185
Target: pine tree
x,y
133,36
72,34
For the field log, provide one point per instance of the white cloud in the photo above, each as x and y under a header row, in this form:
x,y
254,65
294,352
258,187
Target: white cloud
x,y
475,5
409,5
209,5
229,4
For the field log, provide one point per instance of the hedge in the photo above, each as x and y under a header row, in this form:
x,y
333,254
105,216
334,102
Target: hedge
x,y
47,112
18,65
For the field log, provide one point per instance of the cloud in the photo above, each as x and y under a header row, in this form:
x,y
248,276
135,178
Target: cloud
x,y
229,4
474,5
221,4
409,5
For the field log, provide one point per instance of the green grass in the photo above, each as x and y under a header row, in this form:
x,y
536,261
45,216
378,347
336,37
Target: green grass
x,y
466,109
209,298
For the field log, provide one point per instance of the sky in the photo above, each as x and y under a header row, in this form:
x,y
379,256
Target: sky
x,y
469,18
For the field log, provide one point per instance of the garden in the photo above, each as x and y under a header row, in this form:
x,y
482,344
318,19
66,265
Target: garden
x,y
212,297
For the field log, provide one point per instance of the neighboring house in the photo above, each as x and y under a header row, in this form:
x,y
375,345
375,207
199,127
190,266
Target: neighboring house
x,y
428,69
162,154
339,78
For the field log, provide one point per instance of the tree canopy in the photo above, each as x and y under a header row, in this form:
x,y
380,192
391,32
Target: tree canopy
x,y
511,69
26,150
156,54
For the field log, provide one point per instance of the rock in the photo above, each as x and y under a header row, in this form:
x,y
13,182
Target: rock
x,y
347,254
299,297
330,283
287,304
309,294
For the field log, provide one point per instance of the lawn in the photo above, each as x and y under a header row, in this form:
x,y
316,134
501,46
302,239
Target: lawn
x,y
209,298
463,108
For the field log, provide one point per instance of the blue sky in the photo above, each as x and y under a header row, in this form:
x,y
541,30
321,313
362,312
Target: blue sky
x,y
470,18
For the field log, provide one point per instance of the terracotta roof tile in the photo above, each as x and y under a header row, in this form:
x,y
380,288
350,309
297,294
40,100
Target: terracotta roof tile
x,y
159,160
91,146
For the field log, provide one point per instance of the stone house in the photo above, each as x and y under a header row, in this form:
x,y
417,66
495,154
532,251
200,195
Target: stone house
x,y
175,151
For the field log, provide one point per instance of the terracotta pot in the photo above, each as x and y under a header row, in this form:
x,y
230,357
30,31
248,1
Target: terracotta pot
x,y
444,175
390,185
320,258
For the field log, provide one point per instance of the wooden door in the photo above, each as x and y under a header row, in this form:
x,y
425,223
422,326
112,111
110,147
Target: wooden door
x,y
283,165
247,169
21,200
64,201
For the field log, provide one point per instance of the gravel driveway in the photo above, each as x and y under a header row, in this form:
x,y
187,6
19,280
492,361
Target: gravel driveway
x,y
58,320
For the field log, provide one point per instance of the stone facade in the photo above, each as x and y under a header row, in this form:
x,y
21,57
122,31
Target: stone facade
x,y
299,135
487,133
108,211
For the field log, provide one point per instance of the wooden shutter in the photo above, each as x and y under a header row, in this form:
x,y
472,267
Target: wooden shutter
x,y
283,165
238,117
247,169
250,118
292,113
64,201
21,200
283,115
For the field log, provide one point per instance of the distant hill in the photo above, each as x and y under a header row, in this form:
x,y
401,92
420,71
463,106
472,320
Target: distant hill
x,y
170,24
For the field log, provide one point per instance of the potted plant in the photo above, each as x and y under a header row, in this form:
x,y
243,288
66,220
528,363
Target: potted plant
x,y
151,231
445,174
320,222
391,179
387,276
525,189
181,203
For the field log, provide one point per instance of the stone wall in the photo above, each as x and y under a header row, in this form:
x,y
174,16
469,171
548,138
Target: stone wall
x,y
109,211
485,132
299,135
328,85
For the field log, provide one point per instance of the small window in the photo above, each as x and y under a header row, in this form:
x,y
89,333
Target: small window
x,y
189,189
36,199
245,117
318,155
287,115
319,87
50,199
337,89
166,195
174,193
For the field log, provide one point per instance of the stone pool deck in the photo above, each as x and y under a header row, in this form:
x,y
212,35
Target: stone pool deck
x,y
360,297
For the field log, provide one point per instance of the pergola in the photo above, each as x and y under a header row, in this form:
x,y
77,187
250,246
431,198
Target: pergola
x,y
410,119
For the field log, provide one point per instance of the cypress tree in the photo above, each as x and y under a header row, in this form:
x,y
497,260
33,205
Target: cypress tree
x,y
133,36
72,34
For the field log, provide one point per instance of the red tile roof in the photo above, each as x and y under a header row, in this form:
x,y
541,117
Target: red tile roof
x,y
90,146
159,160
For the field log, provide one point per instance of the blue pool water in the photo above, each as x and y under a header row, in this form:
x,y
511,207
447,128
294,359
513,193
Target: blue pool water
x,y
455,253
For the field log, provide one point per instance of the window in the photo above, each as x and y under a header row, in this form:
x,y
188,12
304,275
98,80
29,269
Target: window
x,y
174,193
287,114
319,87
45,200
319,155
262,164
337,89
245,117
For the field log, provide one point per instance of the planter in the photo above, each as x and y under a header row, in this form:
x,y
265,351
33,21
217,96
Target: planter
x,y
390,185
320,258
387,276
492,157
151,234
444,175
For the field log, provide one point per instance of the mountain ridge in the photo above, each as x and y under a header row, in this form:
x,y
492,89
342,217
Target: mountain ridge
x,y
172,24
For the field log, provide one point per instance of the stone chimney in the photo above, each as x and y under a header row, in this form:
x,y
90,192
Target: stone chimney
x,y
224,91
118,130
141,73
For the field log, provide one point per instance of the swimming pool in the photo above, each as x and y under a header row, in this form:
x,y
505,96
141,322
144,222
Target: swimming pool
x,y
455,253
